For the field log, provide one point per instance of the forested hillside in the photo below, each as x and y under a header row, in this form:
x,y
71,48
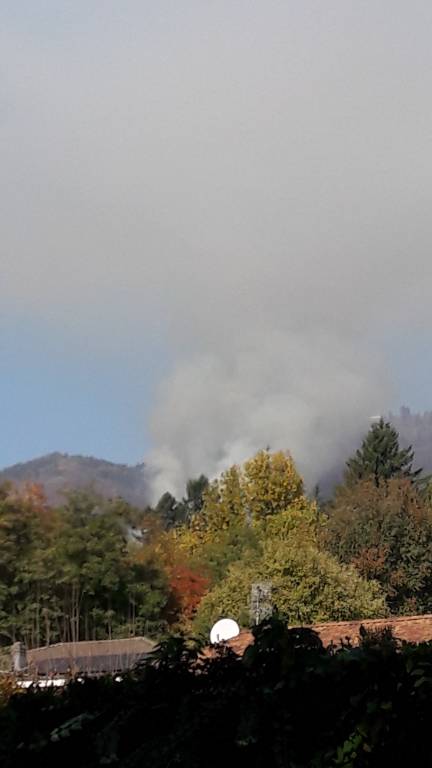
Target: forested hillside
x,y
59,472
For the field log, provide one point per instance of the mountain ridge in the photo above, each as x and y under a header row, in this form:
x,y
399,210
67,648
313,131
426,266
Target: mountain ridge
x,y
61,472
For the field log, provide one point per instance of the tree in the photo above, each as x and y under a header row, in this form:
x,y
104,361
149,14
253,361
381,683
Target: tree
x,y
270,484
167,510
74,573
107,586
380,457
257,525
186,588
236,508
244,496
195,494
147,593
386,533
307,586
26,528
173,513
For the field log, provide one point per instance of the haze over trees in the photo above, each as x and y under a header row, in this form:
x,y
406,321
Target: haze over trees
x,y
415,429
59,472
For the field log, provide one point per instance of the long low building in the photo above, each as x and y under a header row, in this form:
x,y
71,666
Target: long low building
x,y
93,657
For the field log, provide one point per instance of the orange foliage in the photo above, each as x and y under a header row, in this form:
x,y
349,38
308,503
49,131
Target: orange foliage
x,y
31,498
371,561
34,494
187,587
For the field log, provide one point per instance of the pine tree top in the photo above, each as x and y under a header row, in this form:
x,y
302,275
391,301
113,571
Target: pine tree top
x,y
380,456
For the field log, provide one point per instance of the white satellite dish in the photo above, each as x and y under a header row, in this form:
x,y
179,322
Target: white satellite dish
x,y
224,629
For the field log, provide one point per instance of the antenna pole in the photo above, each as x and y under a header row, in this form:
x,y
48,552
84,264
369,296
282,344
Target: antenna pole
x,y
258,606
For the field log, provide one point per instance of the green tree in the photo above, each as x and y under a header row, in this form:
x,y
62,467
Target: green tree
x,y
307,586
74,573
26,527
195,494
380,457
175,513
106,585
167,510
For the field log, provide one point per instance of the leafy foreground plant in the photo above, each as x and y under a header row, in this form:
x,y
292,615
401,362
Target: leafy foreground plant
x,y
287,702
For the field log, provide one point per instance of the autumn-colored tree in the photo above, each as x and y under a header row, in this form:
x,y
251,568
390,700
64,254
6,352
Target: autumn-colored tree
x,y
244,496
186,589
270,484
386,533
307,584
235,511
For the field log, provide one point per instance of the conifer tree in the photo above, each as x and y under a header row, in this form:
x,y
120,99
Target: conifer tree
x,y
381,457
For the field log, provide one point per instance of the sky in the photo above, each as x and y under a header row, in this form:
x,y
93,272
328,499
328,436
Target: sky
x,y
215,227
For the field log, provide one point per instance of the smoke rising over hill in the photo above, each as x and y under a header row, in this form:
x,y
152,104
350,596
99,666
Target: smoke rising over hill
x,y
245,186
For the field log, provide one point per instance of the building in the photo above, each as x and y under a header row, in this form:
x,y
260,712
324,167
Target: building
x,y
86,658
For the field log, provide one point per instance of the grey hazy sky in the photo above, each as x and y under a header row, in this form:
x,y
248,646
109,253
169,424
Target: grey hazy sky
x,y
243,185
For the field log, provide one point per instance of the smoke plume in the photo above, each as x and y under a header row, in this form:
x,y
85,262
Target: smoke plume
x,y
243,186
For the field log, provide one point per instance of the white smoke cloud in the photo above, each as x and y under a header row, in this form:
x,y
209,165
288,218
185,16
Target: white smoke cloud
x,y
245,185
299,391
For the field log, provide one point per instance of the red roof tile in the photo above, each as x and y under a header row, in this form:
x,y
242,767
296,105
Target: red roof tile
x,y
413,629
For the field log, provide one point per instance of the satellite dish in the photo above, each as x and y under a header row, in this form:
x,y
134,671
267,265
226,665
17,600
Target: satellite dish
x,y
224,629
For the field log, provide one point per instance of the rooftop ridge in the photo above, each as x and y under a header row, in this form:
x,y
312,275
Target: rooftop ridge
x,y
81,643
411,629
384,620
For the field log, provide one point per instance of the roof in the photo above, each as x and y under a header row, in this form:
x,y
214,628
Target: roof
x,y
412,629
89,657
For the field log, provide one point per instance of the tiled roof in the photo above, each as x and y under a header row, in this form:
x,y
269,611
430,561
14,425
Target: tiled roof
x,y
89,657
413,629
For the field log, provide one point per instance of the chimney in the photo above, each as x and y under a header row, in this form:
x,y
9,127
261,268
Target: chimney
x,y
19,657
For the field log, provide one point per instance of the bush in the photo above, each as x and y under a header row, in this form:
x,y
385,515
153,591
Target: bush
x,y
287,702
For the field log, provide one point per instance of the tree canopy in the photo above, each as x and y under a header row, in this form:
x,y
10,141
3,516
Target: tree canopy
x,y
380,457
72,573
97,568
257,524
386,533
